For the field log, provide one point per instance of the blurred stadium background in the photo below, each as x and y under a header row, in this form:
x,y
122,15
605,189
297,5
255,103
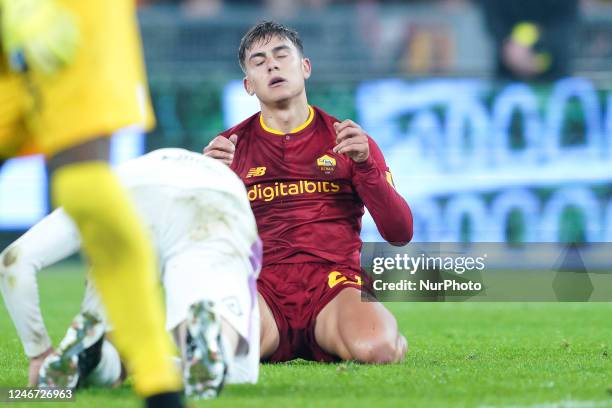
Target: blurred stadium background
x,y
495,116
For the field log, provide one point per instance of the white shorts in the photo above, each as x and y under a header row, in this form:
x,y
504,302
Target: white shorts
x,y
209,250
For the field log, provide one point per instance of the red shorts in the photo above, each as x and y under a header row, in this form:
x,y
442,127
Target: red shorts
x,y
296,293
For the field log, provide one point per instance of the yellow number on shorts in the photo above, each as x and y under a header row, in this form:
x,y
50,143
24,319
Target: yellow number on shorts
x,y
336,277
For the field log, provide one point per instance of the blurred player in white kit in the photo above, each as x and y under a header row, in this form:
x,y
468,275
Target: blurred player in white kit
x,y
205,235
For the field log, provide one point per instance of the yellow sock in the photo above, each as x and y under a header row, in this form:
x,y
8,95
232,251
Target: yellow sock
x,y
123,269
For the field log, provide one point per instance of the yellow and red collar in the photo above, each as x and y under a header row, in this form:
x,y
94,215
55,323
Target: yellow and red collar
x,y
297,129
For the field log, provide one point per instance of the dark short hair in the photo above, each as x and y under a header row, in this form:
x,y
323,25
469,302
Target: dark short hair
x,y
265,31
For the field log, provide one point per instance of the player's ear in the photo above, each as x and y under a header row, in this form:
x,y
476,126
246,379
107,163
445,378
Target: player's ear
x,y
306,68
247,86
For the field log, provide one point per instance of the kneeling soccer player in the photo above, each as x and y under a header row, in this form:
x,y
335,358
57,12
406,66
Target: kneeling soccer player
x,y
309,178
206,239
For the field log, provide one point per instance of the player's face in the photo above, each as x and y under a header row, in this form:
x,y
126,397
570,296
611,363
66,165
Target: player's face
x,y
275,70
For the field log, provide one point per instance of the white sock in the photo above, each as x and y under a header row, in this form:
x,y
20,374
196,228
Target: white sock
x,y
108,370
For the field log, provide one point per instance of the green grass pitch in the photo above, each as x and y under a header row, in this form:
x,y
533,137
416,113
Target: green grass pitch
x,y
461,354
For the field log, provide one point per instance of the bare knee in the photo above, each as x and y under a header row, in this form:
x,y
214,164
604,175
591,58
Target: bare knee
x,y
379,350
362,331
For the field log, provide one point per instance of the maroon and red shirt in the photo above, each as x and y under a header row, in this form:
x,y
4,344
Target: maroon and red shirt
x,y
308,201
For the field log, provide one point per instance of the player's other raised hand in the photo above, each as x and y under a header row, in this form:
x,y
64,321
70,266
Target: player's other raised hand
x,y
38,35
351,140
222,148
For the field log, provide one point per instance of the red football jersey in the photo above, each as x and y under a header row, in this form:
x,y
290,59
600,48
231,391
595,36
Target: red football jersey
x,y
308,201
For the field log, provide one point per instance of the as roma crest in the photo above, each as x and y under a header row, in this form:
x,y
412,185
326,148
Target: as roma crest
x,y
326,164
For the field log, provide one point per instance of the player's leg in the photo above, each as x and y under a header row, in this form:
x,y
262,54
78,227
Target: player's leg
x,y
208,345
269,335
123,264
210,305
230,336
209,278
356,330
280,303
83,357
108,369
109,372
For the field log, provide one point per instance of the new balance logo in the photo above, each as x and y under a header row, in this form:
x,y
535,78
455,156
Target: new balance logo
x,y
256,172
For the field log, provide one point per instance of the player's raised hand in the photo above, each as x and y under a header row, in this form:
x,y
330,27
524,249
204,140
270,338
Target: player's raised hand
x,y
38,35
351,140
222,148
